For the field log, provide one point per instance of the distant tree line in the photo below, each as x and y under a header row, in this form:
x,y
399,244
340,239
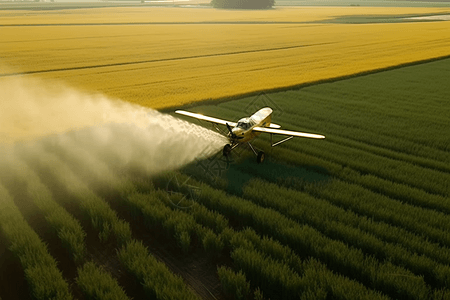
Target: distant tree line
x,y
246,4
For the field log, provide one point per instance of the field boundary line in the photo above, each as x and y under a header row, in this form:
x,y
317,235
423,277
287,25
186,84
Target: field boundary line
x,y
255,93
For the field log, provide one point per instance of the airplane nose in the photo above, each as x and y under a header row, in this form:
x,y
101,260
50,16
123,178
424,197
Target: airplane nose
x,y
236,131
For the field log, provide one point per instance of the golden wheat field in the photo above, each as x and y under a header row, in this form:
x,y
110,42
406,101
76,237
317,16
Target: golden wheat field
x,y
164,57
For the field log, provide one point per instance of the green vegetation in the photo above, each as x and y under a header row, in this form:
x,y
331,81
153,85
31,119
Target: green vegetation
x,y
158,281
363,214
41,270
96,283
67,228
102,217
235,284
371,201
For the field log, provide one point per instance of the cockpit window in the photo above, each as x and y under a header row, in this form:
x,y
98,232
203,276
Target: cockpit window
x,y
243,125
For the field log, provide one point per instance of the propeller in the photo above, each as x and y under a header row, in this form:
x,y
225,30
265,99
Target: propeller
x,y
233,136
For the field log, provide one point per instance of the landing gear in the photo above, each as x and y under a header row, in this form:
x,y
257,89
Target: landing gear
x,y
227,149
260,157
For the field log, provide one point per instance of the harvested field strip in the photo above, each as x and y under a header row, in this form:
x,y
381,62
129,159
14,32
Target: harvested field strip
x,y
41,271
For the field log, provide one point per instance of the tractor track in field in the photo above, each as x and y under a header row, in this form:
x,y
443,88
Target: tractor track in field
x,y
160,23
161,60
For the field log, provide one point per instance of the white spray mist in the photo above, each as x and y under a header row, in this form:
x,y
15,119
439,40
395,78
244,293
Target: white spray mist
x,y
34,112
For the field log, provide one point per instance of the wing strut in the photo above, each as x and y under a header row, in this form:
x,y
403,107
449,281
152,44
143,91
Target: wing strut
x,y
279,142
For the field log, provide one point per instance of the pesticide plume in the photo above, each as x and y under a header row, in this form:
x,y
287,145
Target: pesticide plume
x,y
40,120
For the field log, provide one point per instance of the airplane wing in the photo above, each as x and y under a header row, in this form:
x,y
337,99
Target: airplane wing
x,y
205,118
288,132
214,120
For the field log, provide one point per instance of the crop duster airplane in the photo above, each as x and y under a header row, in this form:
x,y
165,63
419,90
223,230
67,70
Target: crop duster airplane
x,y
246,129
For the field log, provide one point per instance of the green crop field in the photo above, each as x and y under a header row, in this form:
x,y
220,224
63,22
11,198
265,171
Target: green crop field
x,y
363,214
371,202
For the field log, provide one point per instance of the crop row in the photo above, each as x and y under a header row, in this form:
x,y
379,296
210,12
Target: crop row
x,y
308,241
359,233
96,209
109,226
67,228
353,104
313,271
234,284
327,118
92,280
40,268
156,279
310,207
156,210
434,182
96,283
348,193
354,169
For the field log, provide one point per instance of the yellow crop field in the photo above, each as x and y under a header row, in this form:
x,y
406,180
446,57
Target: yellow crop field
x,y
164,57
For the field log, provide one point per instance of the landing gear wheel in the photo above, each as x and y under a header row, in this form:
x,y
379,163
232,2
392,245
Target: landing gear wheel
x,y
226,149
260,157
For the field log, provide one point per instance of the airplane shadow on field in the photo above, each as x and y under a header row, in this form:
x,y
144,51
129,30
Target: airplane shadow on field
x,y
232,175
279,173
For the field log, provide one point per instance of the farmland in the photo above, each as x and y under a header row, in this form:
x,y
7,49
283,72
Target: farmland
x,y
160,57
363,214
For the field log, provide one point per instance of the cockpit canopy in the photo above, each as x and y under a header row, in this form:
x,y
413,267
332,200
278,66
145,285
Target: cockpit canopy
x,y
245,123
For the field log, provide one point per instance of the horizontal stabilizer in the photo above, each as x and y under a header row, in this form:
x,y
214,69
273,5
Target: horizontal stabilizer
x,y
273,125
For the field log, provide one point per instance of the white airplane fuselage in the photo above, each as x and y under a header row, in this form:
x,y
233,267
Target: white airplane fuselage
x,y
243,128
